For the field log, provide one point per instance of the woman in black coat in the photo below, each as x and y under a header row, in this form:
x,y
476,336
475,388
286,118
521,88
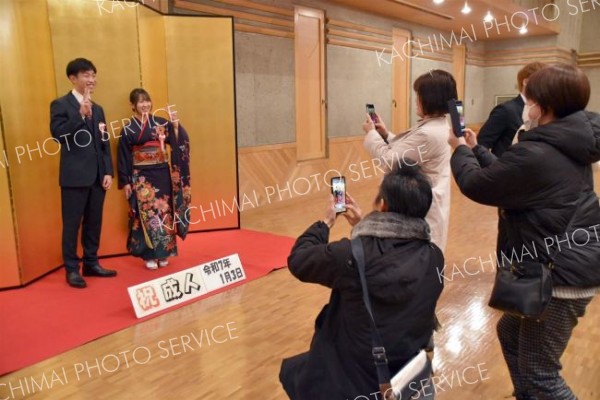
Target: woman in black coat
x,y
540,184
401,267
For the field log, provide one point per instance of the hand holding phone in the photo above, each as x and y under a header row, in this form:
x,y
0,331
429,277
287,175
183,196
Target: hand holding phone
x,y
338,189
372,113
457,118
353,212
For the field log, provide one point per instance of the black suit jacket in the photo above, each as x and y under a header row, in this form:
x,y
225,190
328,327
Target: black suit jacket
x,y
85,152
498,132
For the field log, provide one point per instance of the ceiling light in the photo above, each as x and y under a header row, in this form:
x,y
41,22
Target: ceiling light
x,y
466,9
523,29
488,17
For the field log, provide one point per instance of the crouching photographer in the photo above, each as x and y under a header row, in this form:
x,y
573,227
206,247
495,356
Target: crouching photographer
x,y
353,353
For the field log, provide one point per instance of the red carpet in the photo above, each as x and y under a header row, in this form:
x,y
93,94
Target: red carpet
x,y
48,317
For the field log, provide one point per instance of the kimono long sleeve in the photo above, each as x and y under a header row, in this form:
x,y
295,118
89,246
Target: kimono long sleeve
x,y
124,160
180,145
180,173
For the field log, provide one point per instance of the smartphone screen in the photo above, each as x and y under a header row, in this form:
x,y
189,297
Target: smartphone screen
x,y
371,112
338,188
457,117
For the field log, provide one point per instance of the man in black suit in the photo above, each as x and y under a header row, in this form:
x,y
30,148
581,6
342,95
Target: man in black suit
x,y
498,132
85,170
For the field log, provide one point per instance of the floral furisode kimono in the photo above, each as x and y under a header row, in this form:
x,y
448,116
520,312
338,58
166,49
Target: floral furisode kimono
x,y
155,161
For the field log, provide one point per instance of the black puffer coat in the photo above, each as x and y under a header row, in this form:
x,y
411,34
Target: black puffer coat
x,y
539,183
404,285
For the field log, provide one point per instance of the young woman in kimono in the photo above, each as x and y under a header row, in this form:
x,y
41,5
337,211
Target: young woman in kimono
x,y
153,166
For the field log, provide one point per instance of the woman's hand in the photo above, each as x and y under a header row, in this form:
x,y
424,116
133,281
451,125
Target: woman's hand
x,y
470,138
127,189
454,141
330,213
173,118
368,125
380,127
353,212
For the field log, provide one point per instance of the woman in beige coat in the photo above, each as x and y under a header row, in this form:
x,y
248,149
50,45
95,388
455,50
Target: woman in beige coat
x,y
426,144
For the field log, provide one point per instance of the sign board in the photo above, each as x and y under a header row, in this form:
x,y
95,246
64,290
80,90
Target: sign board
x,y
170,290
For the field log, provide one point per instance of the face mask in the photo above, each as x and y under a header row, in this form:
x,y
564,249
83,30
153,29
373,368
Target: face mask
x,y
528,124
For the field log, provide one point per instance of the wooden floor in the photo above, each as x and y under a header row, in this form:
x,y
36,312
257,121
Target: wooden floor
x,y
255,325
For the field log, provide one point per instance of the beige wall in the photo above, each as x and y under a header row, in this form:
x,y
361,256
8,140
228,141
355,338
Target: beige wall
x,y
265,77
570,19
264,89
594,77
475,108
579,32
498,81
264,71
353,79
590,43
589,33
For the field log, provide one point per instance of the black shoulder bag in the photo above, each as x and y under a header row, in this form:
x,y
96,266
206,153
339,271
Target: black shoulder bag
x,y
406,382
524,289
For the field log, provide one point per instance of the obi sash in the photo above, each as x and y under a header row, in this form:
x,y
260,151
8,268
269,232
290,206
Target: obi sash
x,y
149,153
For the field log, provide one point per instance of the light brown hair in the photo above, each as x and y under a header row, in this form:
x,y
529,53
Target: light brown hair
x,y
527,71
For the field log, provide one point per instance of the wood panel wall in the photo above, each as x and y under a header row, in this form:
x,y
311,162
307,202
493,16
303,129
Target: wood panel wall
x,y
401,83
309,59
459,55
278,21
268,166
502,58
588,60
269,174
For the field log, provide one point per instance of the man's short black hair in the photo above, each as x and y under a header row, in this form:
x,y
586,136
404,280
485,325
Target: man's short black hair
x,y
79,65
407,190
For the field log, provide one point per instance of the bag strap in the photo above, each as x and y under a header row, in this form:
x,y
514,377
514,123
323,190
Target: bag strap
x,y
378,350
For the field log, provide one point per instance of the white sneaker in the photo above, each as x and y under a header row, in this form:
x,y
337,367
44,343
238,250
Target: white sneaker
x,y
163,262
151,264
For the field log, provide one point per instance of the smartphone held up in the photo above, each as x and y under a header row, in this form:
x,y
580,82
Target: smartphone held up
x,y
371,112
457,117
338,189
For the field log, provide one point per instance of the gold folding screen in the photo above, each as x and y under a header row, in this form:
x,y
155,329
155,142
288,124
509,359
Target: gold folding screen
x,y
204,102
131,46
109,40
26,89
9,275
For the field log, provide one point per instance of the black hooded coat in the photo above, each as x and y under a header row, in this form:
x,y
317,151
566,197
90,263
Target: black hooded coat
x,y
540,183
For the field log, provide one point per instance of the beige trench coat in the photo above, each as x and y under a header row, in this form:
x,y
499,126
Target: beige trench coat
x,y
426,144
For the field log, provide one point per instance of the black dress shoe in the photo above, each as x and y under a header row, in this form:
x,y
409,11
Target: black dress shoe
x,y
75,280
97,270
